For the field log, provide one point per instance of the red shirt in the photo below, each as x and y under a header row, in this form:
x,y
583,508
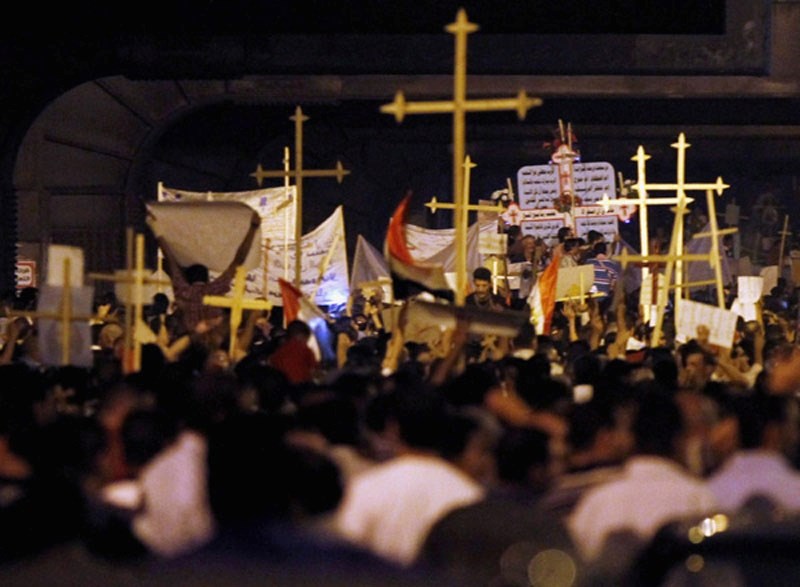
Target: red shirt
x,y
294,359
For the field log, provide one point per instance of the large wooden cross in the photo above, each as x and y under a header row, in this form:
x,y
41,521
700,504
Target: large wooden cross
x,y
461,209
298,174
237,303
134,277
459,106
681,200
673,257
63,314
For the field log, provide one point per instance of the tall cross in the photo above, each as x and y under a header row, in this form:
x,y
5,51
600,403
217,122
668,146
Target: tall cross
x,y
135,278
680,187
459,106
64,315
461,209
298,174
784,233
237,303
714,234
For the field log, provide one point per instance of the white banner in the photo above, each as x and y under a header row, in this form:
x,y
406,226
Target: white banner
x,y
275,205
323,248
538,185
437,245
324,273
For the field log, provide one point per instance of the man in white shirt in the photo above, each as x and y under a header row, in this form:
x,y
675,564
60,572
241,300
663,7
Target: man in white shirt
x,y
653,489
760,467
390,508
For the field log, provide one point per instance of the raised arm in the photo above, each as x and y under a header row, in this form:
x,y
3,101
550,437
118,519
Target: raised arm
x,y
244,248
171,266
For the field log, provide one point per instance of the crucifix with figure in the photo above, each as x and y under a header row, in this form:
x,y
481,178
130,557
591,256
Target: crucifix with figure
x,y
299,174
459,106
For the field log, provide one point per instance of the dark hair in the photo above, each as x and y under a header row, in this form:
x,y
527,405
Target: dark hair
x,y
518,450
586,420
562,233
658,424
196,273
600,248
421,416
754,413
298,328
593,236
482,273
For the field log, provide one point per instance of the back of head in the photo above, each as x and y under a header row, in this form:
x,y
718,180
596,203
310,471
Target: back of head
x,y
298,329
518,451
196,273
586,420
600,248
420,415
755,413
658,424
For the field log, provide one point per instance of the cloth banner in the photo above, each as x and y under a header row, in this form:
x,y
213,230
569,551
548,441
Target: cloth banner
x,y
324,248
204,232
369,264
324,272
437,246
702,270
274,205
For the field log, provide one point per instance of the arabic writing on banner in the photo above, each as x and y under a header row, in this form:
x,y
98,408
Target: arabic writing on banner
x,y
322,250
720,323
595,218
538,185
325,245
274,205
544,225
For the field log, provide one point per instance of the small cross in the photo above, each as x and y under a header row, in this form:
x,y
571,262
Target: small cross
x,y
299,174
135,278
237,304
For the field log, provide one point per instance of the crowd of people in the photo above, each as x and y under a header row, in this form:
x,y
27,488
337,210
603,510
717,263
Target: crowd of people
x,y
460,459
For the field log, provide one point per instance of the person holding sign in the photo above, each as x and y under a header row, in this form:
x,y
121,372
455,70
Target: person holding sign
x,y
191,284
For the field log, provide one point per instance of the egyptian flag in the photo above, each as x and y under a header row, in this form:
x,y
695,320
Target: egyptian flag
x,y
542,299
296,306
409,277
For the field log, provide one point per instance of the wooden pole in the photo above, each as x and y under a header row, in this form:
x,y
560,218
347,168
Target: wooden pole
x,y
458,106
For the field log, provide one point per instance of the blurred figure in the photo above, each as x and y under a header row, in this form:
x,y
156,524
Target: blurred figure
x,y
654,488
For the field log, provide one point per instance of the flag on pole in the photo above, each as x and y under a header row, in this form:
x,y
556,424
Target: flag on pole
x,y
408,276
542,299
296,306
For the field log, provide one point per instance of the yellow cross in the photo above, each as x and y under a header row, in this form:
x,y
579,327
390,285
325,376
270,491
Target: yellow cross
x,y
237,304
784,233
135,278
298,174
459,106
462,208
64,314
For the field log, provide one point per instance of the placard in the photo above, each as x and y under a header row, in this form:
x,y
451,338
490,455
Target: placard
x,y
538,185
720,323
